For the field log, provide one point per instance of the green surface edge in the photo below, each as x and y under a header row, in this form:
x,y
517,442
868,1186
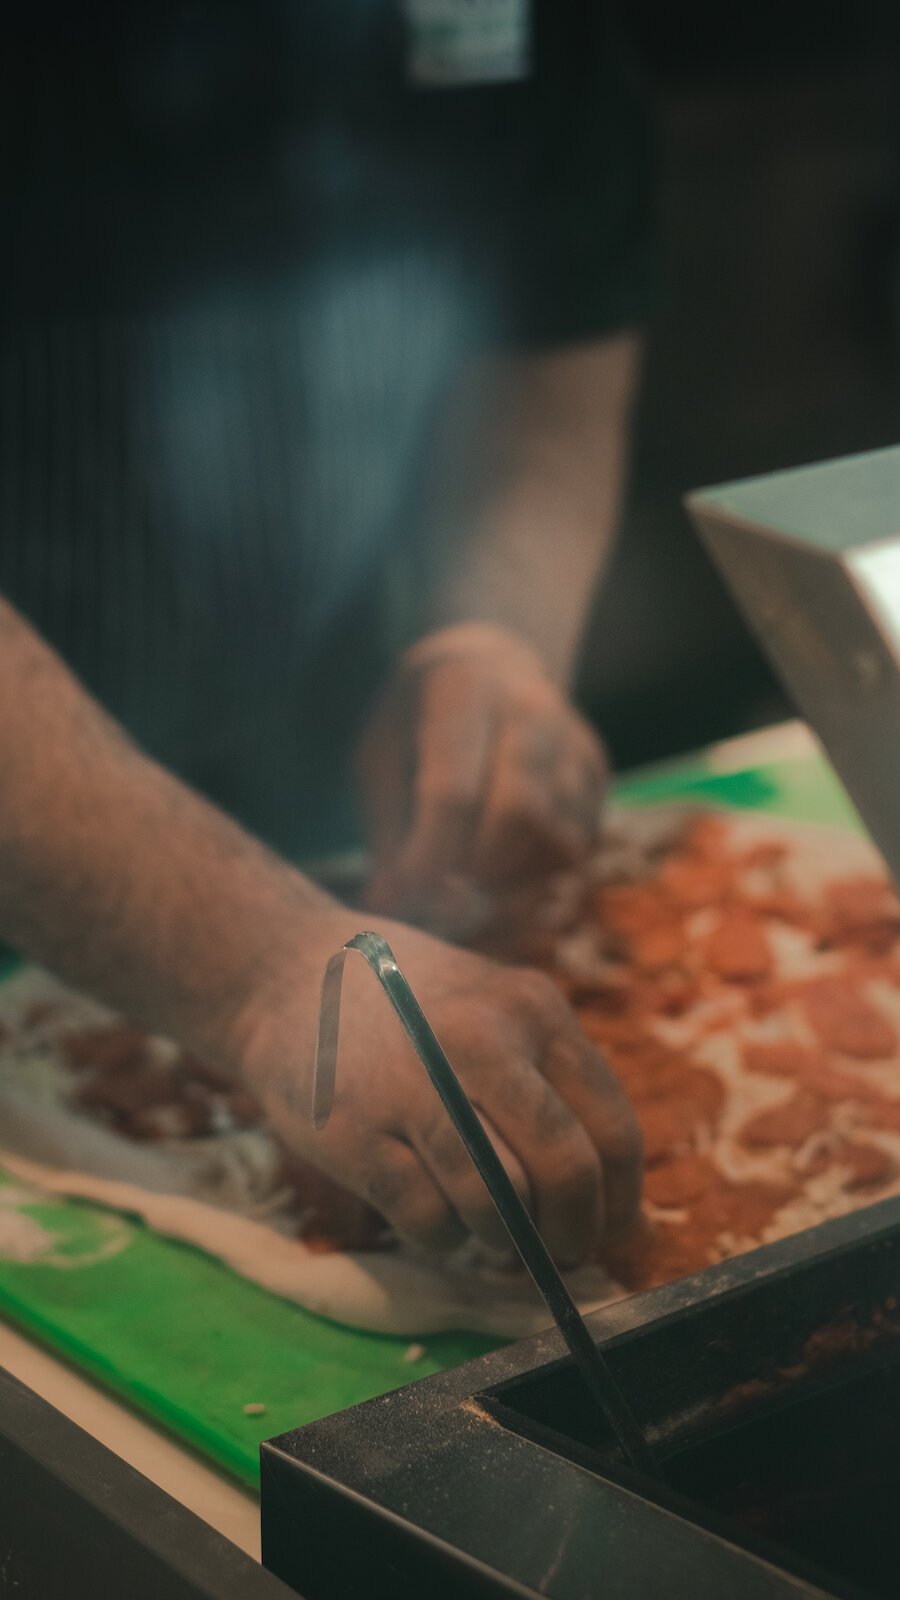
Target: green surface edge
x,y
802,787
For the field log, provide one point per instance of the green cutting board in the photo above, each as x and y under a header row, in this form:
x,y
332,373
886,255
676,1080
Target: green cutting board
x,y
186,1341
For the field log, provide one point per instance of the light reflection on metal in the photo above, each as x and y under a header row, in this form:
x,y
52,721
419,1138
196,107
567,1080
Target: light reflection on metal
x,y
537,1259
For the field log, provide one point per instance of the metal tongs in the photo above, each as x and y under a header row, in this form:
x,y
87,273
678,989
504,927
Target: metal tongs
x,y
525,1236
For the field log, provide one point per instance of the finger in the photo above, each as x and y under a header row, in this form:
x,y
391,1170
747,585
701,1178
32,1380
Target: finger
x,y
581,781
590,1088
579,791
399,1186
442,1151
593,750
592,1094
560,1163
524,831
453,765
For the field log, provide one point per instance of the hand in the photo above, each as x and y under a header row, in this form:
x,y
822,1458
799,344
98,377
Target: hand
x,y
475,771
558,1118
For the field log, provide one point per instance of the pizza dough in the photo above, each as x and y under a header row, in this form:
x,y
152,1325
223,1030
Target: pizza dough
x,y
743,974
224,1191
745,984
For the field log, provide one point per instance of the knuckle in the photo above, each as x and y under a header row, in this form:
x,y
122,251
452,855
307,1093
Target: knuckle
x,y
623,1140
416,1212
574,1166
571,1189
471,1200
591,778
576,800
387,1188
561,1134
429,1223
524,812
447,1148
569,838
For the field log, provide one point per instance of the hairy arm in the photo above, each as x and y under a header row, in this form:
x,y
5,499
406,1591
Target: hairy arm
x,y
528,521
132,887
116,874
477,772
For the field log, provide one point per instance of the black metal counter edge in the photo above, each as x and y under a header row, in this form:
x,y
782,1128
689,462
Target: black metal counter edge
x,y
392,1498
492,1479
77,1522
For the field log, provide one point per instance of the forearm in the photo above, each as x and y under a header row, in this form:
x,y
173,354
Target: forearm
x,y
526,491
133,888
118,876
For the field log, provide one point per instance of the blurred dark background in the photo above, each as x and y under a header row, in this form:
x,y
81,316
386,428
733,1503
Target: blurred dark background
x,y
775,339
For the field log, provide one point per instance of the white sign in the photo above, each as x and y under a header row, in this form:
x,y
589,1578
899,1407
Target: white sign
x,y
457,42
877,572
